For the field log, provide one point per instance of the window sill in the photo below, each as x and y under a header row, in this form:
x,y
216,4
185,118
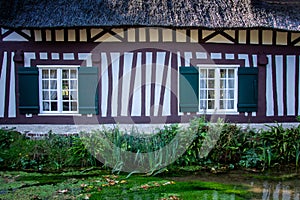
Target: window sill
x,y
59,114
219,113
213,113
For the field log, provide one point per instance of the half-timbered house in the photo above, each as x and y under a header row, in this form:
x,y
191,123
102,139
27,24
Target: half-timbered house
x,y
138,61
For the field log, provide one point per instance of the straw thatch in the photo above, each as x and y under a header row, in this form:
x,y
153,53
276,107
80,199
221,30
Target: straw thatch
x,y
280,14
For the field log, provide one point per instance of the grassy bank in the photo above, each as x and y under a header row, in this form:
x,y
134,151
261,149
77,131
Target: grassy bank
x,y
216,147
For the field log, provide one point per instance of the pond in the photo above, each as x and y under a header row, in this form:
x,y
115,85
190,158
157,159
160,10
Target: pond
x,y
100,184
281,185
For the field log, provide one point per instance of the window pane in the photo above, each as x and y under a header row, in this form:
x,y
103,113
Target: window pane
x,y
203,104
231,94
73,95
53,95
230,104
65,73
53,73
65,84
65,95
226,94
45,95
211,104
45,73
203,73
223,83
45,106
211,84
226,104
53,106
74,106
222,94
211,73
211,94
202,83
73,84
222,73
45,84
203,94
231,83
222,105
73,74
231,73
66,106
53,84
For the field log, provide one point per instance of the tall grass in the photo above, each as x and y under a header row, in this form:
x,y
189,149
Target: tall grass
x,y
200,144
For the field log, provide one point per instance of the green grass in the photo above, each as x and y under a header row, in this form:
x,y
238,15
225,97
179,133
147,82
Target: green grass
x,y
99,185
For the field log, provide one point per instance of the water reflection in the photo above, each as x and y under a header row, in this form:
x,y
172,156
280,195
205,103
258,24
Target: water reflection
x,y
282,185
279,191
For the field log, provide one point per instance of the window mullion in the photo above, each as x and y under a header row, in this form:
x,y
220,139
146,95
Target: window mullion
x,y
226,90
59,90
235,88
217,88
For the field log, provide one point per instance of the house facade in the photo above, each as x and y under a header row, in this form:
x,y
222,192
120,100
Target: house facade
x,y
150,69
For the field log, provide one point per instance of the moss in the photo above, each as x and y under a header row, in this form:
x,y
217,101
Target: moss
x,y
94,185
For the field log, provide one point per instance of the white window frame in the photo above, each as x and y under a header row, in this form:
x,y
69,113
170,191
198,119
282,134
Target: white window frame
x,y
59,69
217,88
214,66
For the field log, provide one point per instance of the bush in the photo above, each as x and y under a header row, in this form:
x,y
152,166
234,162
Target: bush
x,y
203,144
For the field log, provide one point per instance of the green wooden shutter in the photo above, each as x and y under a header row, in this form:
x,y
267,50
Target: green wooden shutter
x,y
247,89
189,89
28,83
88,90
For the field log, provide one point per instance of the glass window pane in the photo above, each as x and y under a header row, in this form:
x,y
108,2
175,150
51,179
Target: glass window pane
x,y
203,104
211,104
53,73
65,73
45,73
203,73
231,73
53,106
231,83
53,84
203,83
73,106
66,106
203,94
65,95
230,104
222,94
53,95
211,83
45,95
211,94
231,94
223,83
45,106
73,95
226,94
222,73
45,84
73,73
65,85
211,73
73,84
222,105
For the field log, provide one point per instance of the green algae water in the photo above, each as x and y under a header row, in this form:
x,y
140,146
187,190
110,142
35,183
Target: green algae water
x,y
233,185
260,186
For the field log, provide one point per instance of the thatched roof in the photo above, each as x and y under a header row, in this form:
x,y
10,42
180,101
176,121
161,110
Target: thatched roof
x,y
279,14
